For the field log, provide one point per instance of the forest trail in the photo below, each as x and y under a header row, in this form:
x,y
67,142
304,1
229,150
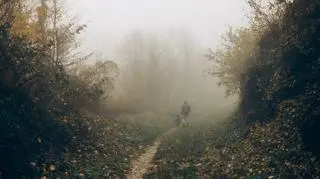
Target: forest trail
x,y
141,165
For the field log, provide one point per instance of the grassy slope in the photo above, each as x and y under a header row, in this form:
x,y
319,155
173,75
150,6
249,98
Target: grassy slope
x,y
202,150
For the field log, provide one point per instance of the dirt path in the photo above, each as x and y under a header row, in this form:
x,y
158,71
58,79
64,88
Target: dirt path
x,y
141,165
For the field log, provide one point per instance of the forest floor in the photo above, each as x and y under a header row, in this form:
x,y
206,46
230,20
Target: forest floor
x,y
141,165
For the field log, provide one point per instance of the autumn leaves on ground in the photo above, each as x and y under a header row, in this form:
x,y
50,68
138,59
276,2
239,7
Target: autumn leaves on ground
x,y
65,114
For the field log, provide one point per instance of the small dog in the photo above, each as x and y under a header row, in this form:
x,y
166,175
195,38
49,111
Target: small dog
x,y
180,120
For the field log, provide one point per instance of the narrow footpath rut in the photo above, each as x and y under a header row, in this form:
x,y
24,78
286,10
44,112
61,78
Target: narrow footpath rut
x,y
141,165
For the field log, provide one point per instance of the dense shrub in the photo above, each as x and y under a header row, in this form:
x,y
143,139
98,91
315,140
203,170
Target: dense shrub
x,y
49,118
279,63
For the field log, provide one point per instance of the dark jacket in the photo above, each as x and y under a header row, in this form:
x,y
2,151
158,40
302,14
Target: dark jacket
x,y
185,108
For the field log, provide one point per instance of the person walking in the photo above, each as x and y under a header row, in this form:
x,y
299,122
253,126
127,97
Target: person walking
x,y
185,109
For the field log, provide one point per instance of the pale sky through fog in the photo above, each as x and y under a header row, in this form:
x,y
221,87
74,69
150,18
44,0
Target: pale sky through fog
x,y
109,20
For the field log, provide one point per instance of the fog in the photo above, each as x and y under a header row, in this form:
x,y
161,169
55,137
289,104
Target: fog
x,y
109,20
159,47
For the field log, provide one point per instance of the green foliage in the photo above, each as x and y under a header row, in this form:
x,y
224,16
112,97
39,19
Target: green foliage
x,y
279,87
276,63
230,59
47,127
100,76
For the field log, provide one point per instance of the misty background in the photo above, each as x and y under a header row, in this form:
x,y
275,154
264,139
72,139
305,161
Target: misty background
x,y
160,47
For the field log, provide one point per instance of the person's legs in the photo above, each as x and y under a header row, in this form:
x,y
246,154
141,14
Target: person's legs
x,y
186,115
